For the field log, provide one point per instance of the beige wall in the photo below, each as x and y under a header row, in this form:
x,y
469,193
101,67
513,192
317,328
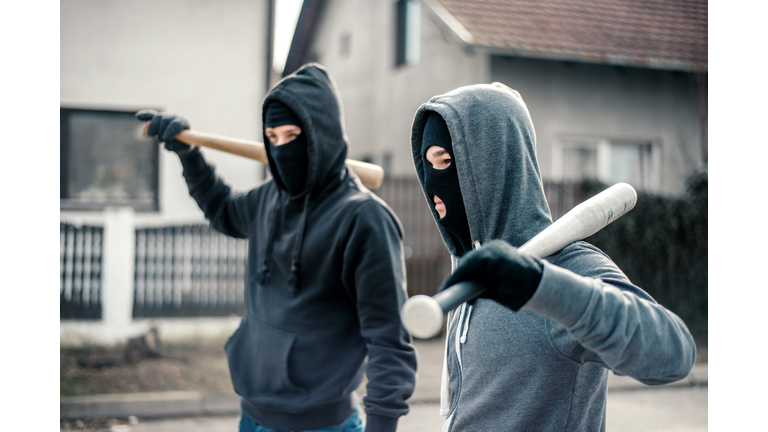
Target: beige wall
x,y
597,100
564,99
380,99
203,59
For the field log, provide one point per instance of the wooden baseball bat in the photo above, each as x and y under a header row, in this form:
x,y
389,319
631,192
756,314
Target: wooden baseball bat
x,y
423,315
371,175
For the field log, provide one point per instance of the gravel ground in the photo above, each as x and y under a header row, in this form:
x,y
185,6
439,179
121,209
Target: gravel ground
x,y
94,370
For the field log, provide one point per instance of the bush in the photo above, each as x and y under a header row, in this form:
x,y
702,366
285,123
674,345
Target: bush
x,y
661,245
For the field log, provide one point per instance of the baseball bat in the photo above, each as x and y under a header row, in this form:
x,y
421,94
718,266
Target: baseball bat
x,y
371,175
423,315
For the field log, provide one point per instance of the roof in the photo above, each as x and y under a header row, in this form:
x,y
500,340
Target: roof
x,y
305,30
660,34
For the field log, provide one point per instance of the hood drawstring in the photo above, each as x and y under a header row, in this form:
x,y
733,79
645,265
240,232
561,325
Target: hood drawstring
x,y
263,278
293,280
444,381
459,340
466,325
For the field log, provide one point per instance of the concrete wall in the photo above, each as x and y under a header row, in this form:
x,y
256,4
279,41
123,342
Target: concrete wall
x,y
203,59
595,100
379,98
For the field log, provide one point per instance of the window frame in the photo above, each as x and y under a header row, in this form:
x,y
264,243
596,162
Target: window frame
x,y
66,203
407,33
603,145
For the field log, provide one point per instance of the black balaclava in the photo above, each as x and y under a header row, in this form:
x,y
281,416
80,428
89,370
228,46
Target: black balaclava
x,y
291,158
445,182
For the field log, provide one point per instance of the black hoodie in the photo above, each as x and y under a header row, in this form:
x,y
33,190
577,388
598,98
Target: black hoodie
x,y
325,284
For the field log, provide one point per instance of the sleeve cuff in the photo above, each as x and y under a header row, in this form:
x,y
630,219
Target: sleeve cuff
x,y
562,295
379,423
193,162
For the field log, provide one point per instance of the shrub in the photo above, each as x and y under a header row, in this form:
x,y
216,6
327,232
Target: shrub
x,y
661,245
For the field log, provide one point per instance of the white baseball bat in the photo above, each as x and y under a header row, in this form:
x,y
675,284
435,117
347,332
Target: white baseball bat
x,y
423,315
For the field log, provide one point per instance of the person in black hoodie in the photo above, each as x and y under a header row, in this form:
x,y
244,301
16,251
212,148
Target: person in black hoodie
x,y
326,272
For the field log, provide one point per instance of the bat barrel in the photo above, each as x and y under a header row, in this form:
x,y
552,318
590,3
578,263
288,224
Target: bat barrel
x,y
423,315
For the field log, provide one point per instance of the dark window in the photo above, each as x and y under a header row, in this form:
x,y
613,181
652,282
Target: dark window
x,y
105,161
408,32
345,45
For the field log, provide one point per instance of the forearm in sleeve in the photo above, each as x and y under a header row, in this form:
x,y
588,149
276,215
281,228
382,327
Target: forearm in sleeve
x,y
212,195
633,336
378,274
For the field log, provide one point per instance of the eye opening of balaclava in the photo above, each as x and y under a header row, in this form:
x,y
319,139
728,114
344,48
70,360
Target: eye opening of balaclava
x,y
291,159
445,183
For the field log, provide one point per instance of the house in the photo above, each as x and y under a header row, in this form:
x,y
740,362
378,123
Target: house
x,y
129,228
617,90
205,60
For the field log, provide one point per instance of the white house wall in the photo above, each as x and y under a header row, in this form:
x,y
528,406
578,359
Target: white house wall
x,y
203,59
379,98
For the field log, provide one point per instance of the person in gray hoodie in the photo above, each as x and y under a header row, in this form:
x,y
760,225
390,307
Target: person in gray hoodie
x,y
533,353
326,271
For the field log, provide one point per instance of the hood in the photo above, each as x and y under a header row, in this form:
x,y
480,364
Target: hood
x,y
312,95
314,98
494,146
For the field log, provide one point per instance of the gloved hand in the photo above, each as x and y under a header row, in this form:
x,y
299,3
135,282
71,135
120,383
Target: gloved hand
x,y
166,126
511,277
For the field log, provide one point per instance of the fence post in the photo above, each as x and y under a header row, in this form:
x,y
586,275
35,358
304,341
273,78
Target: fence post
x,y
118,269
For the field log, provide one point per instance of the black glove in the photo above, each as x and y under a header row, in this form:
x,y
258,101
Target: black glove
x,y
511,278
165,126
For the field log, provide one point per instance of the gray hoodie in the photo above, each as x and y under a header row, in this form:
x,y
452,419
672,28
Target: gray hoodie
x,y
545,367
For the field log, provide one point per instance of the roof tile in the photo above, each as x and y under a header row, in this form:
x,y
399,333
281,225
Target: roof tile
x,y
648,31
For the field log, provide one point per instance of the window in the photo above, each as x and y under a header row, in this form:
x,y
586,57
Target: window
x,y
607,160
408,32
345,45
106,162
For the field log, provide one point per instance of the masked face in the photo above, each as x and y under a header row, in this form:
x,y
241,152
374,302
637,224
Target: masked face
x,y
441,181
288,147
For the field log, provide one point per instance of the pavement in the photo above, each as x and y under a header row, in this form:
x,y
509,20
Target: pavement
x,y
632,406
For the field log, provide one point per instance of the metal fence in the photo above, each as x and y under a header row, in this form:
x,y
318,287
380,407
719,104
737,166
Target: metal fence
x,y
562,197
193,270
80,269
188,270
427,259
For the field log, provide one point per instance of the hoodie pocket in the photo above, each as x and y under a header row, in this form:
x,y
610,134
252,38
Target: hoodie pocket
x,y
258,364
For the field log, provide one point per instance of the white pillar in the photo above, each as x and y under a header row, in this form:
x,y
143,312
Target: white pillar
x,y
118,270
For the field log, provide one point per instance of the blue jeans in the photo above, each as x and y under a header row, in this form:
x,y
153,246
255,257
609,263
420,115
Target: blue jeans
x,y
352,424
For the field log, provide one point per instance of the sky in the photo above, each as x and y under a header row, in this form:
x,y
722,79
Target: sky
x,y
286,16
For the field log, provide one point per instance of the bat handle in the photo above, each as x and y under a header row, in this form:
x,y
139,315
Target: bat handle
x,y
423,315
250,149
